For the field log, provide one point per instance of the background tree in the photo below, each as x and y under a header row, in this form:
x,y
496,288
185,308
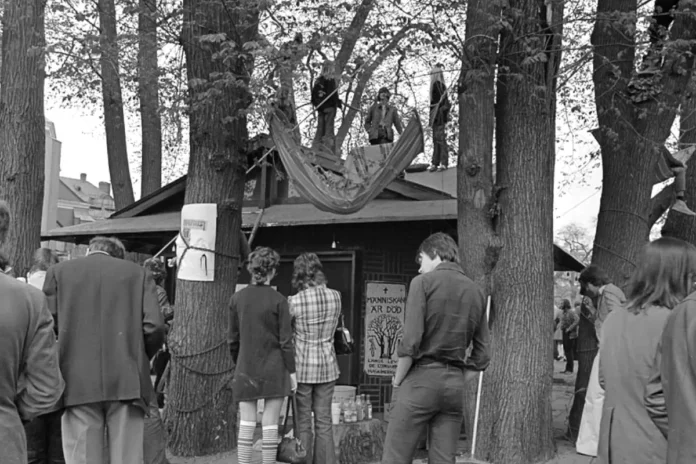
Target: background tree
x,y
114,119
216,37
22,126
576,240
148,94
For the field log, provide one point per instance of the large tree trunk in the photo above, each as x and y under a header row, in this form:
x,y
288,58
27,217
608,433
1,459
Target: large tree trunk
x,y
114,122
630,137
479,245
516,419
202,415
22,126
148,92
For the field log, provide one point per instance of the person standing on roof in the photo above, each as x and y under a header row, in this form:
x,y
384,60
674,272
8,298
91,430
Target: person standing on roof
x,y
325,100
381,119
439,115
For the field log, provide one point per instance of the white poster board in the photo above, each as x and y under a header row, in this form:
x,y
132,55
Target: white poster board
x,y
385,312
198,227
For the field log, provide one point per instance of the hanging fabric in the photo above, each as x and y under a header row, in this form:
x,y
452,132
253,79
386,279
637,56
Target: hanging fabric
x,y
337,192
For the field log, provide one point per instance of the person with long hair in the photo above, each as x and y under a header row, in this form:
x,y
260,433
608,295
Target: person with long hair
x,y
315,310
628,349
260,340
670,396
381,119
439,115
326,102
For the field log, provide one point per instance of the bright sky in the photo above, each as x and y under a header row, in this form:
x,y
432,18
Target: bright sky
x,y
84,151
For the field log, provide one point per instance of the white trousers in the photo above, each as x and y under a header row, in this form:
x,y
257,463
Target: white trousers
x,y
588,436
103,432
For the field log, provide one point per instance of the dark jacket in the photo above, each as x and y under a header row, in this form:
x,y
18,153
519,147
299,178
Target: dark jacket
x,y
323,88
30,379
261,344
109,326
439,105
626,359
391,118
670,396
445,313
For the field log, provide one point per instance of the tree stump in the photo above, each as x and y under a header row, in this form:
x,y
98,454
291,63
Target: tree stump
x,y
359,442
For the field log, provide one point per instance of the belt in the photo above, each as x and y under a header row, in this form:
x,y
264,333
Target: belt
x,y
446,365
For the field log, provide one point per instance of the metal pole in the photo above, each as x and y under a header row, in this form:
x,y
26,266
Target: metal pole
x,y
478,392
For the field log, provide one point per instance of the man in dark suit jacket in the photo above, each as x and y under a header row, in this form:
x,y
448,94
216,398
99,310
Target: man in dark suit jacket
x,y
109,326
30,380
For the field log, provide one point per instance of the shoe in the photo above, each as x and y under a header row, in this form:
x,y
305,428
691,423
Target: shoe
x,y
680,207
441,167
432,168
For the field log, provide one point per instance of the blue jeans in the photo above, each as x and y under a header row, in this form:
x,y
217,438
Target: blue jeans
x,y
316,398
431,396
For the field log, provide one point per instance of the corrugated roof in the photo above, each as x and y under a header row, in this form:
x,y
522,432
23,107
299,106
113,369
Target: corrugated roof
x,y
444,181
273,216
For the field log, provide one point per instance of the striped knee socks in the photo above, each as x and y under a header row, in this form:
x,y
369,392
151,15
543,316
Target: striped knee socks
x,y
245,441
270,444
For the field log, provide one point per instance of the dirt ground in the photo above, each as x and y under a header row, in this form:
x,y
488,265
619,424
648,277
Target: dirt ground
x,y
562,401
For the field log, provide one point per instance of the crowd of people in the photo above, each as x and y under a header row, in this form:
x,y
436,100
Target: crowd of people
x,y
78,339
640,402
284,346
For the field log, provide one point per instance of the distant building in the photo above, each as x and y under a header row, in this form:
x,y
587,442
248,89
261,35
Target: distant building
x,y
68,201
79,201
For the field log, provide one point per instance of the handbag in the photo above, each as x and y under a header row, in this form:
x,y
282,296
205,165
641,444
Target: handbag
x,y
343,342
290,450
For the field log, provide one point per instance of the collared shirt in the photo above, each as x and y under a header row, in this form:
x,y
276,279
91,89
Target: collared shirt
x,y
445,313
315,312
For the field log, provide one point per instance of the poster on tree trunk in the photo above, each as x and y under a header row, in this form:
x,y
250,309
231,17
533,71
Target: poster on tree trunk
x,y
385,312
195,245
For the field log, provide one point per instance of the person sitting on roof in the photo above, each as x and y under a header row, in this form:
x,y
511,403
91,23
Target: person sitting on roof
x,y
675,166
326,102
382,118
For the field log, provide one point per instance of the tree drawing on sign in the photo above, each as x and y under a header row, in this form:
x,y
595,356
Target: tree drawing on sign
x,y
386,332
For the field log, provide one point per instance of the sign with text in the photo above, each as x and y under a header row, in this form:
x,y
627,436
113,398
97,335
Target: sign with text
x,y
385,312
195,245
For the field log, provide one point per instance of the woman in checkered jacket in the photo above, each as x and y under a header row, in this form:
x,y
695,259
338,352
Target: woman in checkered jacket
x,y
315,310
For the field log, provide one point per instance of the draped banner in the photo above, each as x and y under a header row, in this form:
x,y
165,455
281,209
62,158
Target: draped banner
x,y
342,193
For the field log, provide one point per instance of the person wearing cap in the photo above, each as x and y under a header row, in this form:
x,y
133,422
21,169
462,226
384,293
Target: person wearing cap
x,y
381,119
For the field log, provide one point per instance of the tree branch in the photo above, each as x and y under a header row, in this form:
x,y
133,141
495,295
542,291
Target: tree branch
x,y
352,34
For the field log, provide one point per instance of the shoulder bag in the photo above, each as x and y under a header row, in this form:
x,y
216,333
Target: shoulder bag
x,y
343,342
290,450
